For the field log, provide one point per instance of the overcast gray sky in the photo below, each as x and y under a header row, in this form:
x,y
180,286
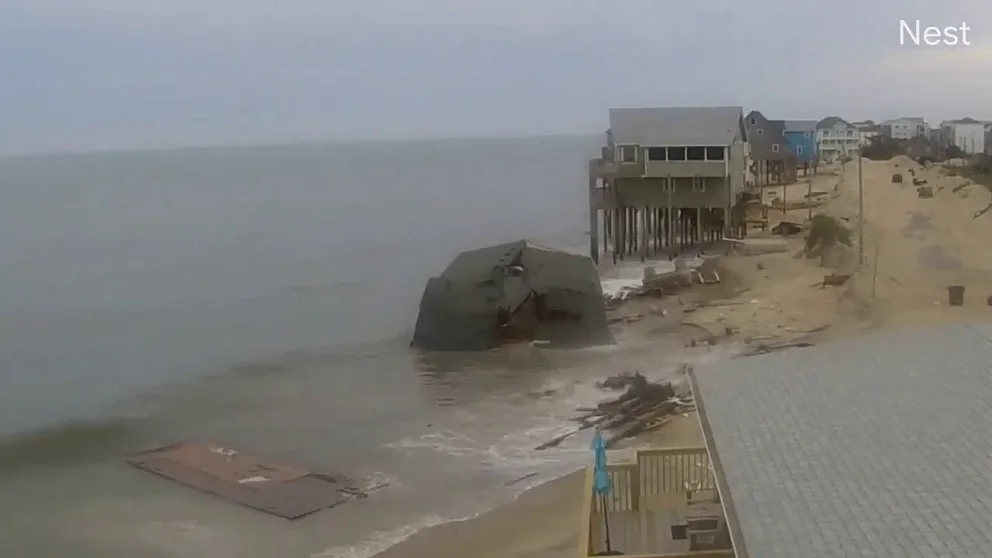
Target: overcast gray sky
x,y
110,74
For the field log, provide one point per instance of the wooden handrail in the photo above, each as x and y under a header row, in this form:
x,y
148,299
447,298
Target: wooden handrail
x,y
628,489
688,450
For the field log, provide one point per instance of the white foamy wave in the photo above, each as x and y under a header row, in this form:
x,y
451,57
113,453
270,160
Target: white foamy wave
x,y
627,275
377,481
514,447
497,437
613,287
381,541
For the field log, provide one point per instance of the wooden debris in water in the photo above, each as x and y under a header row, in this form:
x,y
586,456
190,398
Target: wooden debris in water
x,y
644,406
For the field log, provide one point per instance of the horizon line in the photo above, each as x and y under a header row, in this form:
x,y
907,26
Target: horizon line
x,y
285,143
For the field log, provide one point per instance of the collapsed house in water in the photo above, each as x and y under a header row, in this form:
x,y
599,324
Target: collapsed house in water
x,y
512,292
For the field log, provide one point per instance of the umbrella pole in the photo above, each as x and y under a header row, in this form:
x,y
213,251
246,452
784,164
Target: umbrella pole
x,y
606,524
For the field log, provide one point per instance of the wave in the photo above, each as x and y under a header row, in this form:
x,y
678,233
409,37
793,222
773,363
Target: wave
x,y
72,443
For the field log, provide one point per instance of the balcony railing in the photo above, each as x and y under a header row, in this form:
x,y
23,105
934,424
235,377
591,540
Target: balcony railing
x,y
645,495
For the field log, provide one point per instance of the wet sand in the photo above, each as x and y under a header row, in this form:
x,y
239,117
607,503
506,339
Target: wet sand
x,y
914,249
542,523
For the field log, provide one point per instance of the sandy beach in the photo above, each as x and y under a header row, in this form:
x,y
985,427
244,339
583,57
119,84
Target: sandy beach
x,y
914,249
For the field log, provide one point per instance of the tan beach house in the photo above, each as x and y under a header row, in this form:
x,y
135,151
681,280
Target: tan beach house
x,y
668,178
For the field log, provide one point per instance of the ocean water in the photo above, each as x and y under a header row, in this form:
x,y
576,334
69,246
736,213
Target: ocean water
x,y
264,297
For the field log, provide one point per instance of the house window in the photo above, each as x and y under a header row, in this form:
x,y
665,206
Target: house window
x,y
695,153
774,148
714,153
753,121
761,132
657,154
805,134
799,150
698,184
676,154
628,153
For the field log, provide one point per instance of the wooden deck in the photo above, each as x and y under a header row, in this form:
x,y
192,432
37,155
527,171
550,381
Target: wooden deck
x,y
638,532
648,497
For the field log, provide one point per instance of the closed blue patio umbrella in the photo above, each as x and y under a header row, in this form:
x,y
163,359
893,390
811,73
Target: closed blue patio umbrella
x,y
602,484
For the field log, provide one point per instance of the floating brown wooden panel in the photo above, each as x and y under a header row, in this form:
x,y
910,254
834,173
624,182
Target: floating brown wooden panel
x,y
273,488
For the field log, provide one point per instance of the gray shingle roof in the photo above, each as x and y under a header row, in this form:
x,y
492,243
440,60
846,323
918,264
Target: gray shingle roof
x,y
830,122
879,446
800,125
676,125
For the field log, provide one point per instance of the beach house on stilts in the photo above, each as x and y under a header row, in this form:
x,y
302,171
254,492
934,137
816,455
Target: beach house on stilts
x,y
668,179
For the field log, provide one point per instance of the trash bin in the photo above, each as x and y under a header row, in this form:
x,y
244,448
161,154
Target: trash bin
x,y
955,295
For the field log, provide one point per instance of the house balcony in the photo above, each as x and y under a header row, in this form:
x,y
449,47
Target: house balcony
x,y
709,169
663,488
608,169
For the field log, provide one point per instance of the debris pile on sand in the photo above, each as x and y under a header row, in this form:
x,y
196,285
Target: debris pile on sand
x,y
825,231
757,246
643,407
686,273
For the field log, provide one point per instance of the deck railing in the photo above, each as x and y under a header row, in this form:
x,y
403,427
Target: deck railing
x,y
658,477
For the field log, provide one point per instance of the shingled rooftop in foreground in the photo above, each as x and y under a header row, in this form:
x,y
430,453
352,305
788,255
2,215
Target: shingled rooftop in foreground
x,y
876,446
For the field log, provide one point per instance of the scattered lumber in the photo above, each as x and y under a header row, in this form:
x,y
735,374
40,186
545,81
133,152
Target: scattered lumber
x,y
788,228
765,348
777,203
836,279
982,211
719,303
642,407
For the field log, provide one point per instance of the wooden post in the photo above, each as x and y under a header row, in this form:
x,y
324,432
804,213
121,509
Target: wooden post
x,y
699,224
874,272
635,233
785,190
593,214
670,213
616,227
645,237
607,224
809,199
622,240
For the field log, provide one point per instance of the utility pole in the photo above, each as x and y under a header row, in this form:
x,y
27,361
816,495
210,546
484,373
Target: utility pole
x,y
861,213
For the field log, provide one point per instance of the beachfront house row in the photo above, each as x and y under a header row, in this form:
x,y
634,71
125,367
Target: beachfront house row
x,y
667,178
967,134
867,129
800,135
771,160
908,127
836,137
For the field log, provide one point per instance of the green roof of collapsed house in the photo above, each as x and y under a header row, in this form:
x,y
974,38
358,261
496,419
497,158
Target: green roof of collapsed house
x,y
459,308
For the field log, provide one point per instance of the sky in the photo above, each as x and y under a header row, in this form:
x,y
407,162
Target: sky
x,y
82,75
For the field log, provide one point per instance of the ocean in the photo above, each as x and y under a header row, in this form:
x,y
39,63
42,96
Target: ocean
x,y
264,297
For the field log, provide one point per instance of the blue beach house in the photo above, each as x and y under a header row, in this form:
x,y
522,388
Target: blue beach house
x,y
800,136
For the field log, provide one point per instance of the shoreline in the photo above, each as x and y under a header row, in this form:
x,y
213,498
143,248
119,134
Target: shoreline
x,y
488,533
767,299
541,522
